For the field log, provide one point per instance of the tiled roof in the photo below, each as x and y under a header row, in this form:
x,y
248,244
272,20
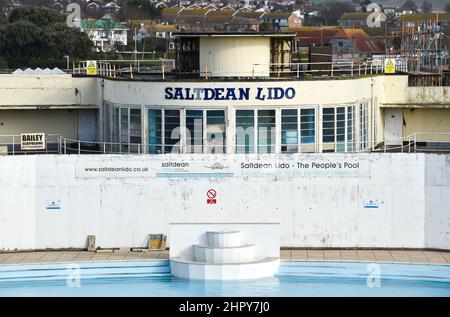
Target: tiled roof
x,y
363,42
313,35
425,17
102,24
354,16
277,15
249,15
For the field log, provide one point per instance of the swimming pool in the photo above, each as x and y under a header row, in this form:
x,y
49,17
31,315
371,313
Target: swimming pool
x,y
294,278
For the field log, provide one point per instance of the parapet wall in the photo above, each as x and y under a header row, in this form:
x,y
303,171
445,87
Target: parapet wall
x,y
324,200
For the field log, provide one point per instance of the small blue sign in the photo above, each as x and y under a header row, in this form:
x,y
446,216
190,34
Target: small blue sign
x,y
371,204
53,205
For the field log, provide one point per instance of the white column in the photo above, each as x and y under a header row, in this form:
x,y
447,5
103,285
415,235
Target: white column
x,y
230,123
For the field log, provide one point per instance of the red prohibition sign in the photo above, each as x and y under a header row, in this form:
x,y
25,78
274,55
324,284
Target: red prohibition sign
x,y
211,193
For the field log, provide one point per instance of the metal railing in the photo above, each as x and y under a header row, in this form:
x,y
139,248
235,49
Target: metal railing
x,y
127,67
57,144
338,68
162,68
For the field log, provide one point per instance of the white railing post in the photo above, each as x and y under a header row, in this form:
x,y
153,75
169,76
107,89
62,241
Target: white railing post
x,y
409,143
65,146
79,147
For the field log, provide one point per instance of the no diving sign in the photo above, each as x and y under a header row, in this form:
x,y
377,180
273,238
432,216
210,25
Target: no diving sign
x,y
211,196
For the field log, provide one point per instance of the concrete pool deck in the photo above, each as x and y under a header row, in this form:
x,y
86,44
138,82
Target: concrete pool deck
x,y
387,256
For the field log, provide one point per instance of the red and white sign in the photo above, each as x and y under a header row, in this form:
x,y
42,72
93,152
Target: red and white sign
x,y
211,194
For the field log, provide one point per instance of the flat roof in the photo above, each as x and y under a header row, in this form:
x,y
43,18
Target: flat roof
x,y
234,34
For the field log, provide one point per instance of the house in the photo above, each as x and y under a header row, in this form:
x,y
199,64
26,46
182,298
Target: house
x,y
93,6
315,36
282,20
111,7
105,33
351,43
170,15
160,5
353,19
164,31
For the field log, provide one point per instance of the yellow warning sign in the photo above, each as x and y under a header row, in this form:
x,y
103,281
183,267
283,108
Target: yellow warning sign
x,y
389,66
91,68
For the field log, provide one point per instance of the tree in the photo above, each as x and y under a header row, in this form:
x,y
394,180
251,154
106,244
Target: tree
x,y
265,27
35,36
332,11
409,5
427,7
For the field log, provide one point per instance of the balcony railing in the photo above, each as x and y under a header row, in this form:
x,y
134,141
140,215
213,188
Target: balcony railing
x,y
437,142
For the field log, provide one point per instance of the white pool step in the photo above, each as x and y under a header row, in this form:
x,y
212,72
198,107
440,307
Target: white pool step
x,y
235,254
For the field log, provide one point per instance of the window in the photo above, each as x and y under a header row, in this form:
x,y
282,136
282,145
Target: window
x,y
247,141
266,131
289,131
194,131
363,119
172,131
245,131
338,129
205,131
308,125
126,129
215,131
350,129
154,131
328,123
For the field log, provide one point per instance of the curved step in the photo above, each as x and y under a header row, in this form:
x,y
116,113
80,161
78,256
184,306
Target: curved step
x,y
223,239
217,255
233,271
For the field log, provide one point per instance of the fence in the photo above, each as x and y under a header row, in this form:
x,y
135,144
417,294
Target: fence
x,y
163,68
57,144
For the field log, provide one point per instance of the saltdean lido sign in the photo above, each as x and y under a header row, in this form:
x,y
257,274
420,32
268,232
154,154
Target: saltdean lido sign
x,y
230,93
344,167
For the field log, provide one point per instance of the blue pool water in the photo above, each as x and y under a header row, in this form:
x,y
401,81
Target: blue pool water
x,y
294,278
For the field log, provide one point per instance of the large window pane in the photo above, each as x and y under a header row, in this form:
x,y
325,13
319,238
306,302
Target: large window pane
x,y
266,131
289,130
194,133
135,125
328,125
308,126
245,133
363,125
350,129
124,129
154,131
215,131
172,131
340,129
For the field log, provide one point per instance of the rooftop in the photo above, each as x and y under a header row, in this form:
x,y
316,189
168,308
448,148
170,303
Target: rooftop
x,y
102,24
442,17
235,34
354,16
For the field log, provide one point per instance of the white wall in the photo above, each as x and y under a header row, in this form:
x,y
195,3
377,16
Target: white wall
x,y
235,56
122,208
31,91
